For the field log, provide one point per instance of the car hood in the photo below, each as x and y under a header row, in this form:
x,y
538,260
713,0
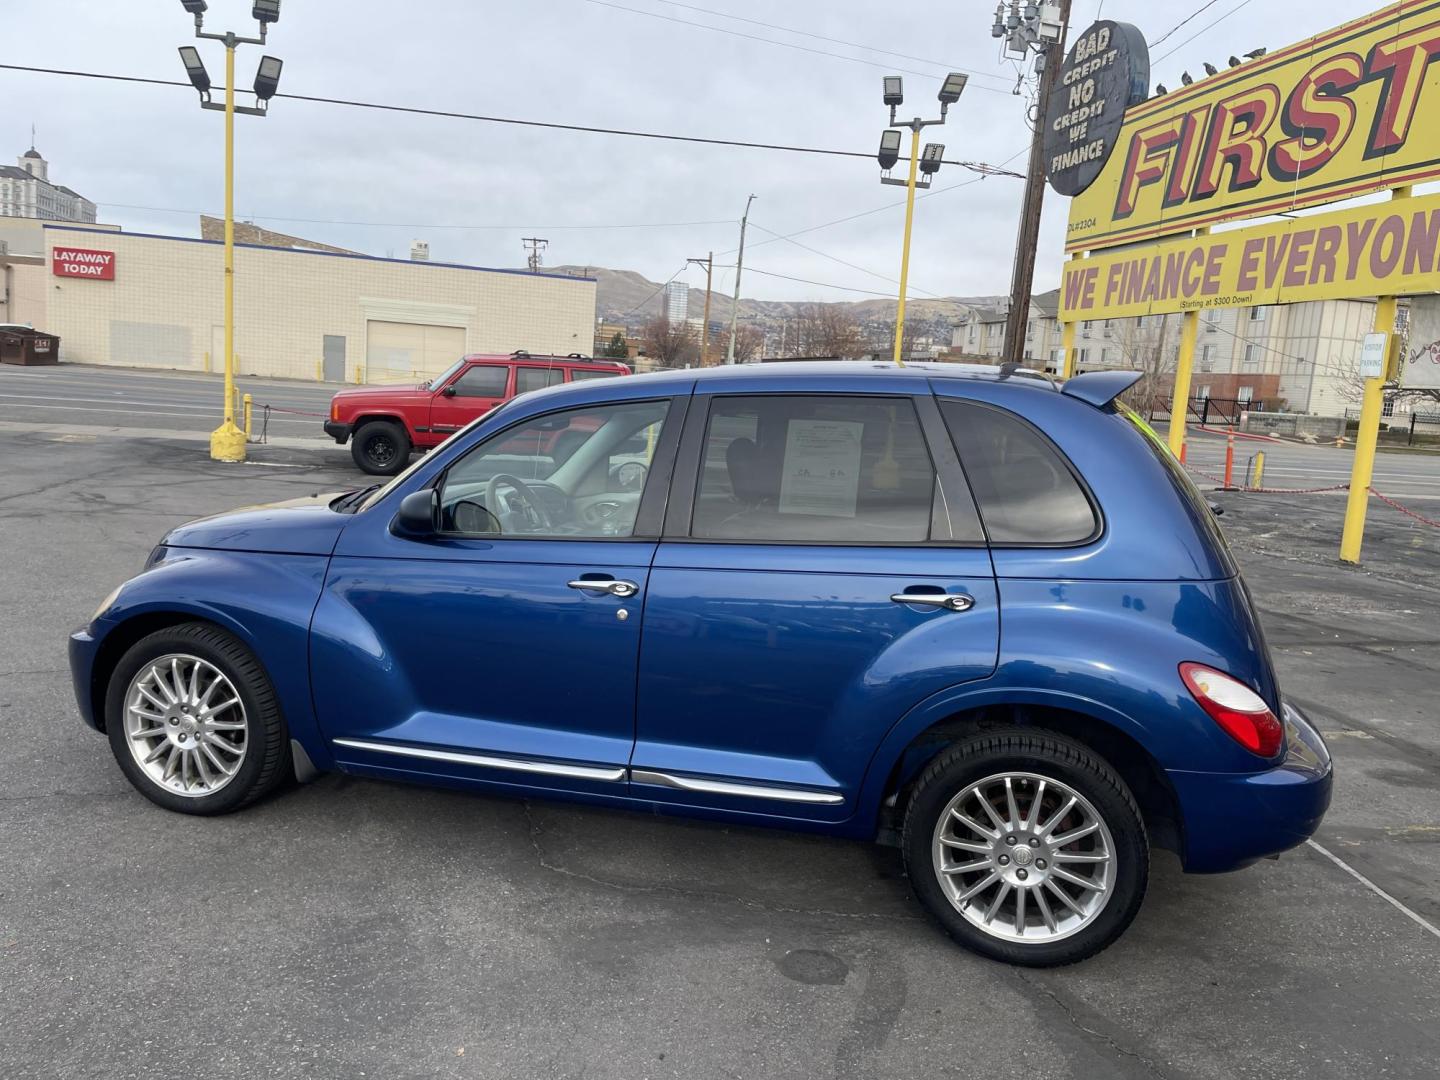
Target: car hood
x,y
304,526
399,391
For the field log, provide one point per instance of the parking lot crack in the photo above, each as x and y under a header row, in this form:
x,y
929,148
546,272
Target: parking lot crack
x,y
701,894
1065,1007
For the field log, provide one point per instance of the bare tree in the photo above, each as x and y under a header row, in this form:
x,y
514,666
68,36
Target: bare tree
x,y
669,344
749,340
826,330
1150,346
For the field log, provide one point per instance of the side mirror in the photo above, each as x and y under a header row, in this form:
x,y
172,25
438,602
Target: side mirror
x,y
418,515
449,391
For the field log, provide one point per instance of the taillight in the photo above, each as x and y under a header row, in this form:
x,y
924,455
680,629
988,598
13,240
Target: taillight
x,y
1236,708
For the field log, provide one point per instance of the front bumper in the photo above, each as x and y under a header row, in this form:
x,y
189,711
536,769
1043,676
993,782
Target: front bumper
x,y
1234,819
83,648
338,431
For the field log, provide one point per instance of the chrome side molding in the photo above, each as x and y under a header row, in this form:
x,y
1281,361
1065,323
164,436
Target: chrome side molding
x,y
602,773
486,761
725,787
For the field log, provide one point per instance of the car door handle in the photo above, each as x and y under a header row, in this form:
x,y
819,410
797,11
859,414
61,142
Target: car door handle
x,y
948,601
605,585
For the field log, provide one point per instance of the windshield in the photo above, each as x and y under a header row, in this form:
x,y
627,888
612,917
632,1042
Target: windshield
x,y
380,493
456,366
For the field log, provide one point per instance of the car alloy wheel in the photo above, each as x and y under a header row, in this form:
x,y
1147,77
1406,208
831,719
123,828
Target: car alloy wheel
x,y
185,725
1024,857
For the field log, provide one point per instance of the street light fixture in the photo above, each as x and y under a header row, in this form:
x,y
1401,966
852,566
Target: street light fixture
x,y
227,442
953,87
889,156
267,77
195,69
889,149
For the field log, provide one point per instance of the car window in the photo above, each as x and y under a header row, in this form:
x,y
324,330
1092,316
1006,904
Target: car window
x,y
483,380
577,473
536,378
1026,491
581,374
814,469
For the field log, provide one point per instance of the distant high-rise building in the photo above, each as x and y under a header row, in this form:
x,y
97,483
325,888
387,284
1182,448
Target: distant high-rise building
x,y
677,301
420,251
26,191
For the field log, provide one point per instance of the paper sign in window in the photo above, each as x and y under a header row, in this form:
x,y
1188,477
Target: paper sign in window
x,y
822,467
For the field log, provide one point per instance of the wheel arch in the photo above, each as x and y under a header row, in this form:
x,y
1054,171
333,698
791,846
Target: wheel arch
x,y
372,417
916,741
117,642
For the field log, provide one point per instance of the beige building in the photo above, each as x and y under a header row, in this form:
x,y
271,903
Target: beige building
x,y
142,300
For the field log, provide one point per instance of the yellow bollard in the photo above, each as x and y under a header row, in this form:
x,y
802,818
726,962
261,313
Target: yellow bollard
x,y
319,371
207,363
246,406
1259,468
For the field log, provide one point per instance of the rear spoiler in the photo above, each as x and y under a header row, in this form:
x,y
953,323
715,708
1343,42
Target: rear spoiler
x,y
1099,388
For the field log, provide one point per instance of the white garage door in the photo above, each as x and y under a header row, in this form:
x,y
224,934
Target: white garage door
x,y
409,352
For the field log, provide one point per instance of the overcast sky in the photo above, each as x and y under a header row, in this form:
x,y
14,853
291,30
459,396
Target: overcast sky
x,y
373,181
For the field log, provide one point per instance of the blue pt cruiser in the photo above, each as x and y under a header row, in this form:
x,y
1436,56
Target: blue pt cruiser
x,y
961,609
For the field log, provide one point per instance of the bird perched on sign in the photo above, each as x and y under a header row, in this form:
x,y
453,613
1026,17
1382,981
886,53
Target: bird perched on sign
x,y
1256,54
1160,90
1185,78
1234,61
1211,69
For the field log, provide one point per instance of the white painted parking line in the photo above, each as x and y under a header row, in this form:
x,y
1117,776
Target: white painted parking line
x,y
1376,889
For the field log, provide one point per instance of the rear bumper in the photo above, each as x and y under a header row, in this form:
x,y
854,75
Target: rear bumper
x,y
83,648
1231,819
338,431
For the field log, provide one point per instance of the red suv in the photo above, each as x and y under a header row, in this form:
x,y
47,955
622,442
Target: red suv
x,y
386,422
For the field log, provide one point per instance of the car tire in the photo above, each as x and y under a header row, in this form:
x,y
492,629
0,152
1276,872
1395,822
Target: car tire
x,y
380,448
969,867
244,745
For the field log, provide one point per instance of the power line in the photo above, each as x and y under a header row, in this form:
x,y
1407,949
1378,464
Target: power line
x,y
835,259
781,44
832,40
1198,11
252,216
657,292
973,166
1205,29
822,284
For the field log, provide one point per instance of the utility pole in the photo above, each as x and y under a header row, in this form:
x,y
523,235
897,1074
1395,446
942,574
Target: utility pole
x,y
735,303
709,263
1022,279
536,246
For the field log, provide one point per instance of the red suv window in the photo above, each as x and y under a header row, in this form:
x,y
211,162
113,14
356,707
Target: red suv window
x,y
483,380
536,378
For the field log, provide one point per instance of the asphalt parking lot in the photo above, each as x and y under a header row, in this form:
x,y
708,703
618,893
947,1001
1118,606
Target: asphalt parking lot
x,y
356,928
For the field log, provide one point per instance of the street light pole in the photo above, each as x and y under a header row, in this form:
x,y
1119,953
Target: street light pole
x,y
928,164
735,302
905,247
227,442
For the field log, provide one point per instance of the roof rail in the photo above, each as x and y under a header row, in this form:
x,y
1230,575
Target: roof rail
x,y
521,354
1099,388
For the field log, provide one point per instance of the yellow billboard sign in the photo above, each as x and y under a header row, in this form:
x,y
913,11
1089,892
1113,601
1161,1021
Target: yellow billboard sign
x,y
1384,249
1342,114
